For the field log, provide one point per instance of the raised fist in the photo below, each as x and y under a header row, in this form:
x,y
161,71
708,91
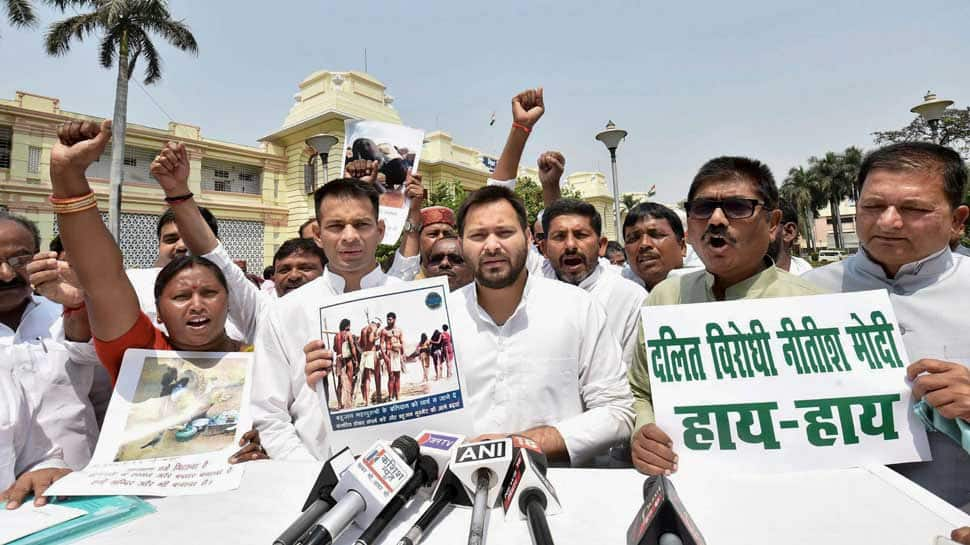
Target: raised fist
x,y
527,107
79,143
551,166
171,169
415,191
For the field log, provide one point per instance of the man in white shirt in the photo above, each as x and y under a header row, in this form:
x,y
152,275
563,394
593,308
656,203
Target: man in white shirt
x,y
286,411
785,238
653,237
24,317
540,360
573,240
908,208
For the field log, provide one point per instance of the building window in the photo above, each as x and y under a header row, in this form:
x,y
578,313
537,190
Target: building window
x,y
137,162
229,177
6,135
130,161
33,160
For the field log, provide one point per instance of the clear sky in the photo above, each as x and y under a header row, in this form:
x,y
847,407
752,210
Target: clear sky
x,y
778,81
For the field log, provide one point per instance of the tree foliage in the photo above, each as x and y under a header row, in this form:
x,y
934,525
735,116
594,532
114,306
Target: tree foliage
x,y
953,131
531,194
827,180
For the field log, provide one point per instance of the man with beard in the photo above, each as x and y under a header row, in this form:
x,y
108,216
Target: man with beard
x,y
445,259
732,217
543,363
573,240
785,238
655,247
909,207
392,339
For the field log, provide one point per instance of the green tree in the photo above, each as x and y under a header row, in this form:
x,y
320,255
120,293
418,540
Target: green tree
x,y
628,201
20,13
125,28
801,190
834,175
449,194
953,131
531,194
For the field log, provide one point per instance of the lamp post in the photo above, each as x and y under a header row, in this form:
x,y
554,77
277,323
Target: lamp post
x,y
611,137
931,110
321,144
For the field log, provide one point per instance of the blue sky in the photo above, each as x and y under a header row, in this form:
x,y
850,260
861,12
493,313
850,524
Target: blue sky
x,y
778,81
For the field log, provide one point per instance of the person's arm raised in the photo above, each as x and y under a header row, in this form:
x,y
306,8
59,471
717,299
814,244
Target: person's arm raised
x,y
527,108
551,166
171,169
95,257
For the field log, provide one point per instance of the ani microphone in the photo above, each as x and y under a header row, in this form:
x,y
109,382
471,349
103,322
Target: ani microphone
x,y
481,467
425,471
366,488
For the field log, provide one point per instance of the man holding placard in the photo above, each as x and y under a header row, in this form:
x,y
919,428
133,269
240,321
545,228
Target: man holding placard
x,y
909,207
732,217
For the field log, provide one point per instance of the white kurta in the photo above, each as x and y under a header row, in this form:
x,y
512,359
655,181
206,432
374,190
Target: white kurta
x,y
553,362
291,422
930,298
35,323
23,446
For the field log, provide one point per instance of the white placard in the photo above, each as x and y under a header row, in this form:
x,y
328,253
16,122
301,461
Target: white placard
x,y
398,149
428,395
174,420
785,384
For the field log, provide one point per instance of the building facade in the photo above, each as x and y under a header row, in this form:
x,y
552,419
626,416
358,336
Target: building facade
x,y
825,231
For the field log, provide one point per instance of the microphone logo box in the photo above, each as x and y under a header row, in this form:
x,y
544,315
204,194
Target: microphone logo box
x,y
383,470
437,441
478,452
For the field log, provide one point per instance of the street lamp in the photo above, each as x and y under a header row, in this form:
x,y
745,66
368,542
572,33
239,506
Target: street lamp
x,y
931,110
612,137
321,144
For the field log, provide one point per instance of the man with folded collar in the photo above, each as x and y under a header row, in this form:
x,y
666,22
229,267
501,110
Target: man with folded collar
x,y
732,216
909,208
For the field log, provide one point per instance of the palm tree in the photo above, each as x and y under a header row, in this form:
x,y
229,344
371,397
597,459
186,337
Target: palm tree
x,y
801,191
835,175
125,28
628,201
20,13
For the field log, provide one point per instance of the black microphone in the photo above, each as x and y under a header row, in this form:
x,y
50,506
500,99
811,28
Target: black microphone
x,y
425,471
529,493
447,493
662,520
366,488
320,500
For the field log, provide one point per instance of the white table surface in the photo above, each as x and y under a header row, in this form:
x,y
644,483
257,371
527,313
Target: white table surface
x,y
852,506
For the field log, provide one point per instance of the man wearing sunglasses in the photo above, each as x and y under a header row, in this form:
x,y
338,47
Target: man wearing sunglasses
x,y
732,217
447,260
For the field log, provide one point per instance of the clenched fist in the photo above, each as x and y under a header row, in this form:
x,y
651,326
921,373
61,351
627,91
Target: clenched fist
x,y
528,107
79,143
171,169
551,166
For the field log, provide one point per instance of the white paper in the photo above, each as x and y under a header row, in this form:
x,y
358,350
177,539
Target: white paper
x,y
174,420
388,143
438,403
27,519
804,437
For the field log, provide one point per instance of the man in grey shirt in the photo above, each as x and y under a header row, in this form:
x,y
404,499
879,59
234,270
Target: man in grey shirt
x,y
910,204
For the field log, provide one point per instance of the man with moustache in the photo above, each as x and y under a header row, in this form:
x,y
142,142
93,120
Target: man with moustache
x,y
24,317
732,217
446,259
436,222
558,381
909,208
573,242
653,236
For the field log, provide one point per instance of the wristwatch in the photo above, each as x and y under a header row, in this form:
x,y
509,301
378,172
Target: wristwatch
x,y
412,227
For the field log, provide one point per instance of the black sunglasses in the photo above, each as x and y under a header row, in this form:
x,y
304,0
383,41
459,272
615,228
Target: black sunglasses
x,y
734,208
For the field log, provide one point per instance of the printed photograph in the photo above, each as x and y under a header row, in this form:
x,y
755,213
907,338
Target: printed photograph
x,y
389,349
183,406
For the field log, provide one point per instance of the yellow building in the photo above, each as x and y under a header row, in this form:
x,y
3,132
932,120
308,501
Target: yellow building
x,y
260,195
593,189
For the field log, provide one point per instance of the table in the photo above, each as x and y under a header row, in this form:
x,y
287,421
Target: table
x,y
856,506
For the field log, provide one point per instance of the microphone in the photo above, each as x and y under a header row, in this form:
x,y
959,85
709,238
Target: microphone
x,y
320,499
365,488
662,520
481,467
448,492
440,446
528,492
425,471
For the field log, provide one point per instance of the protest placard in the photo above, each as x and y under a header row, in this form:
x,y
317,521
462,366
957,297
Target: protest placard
x,y
783,384
397,150
395,369
173,421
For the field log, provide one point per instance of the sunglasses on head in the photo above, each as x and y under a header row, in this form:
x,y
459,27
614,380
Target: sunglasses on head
x,y
734,208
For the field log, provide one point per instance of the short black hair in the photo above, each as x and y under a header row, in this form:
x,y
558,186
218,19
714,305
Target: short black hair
x,y
444,327
30,226
391,315
344,324
657,211
55,245
169,217
299,245
613,247
181,263
922,156
268,273
299,232
572,207
738,168
490,194
788,212
348,188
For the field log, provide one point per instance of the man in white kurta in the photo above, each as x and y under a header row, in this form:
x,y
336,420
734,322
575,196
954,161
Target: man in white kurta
x,y
908,207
